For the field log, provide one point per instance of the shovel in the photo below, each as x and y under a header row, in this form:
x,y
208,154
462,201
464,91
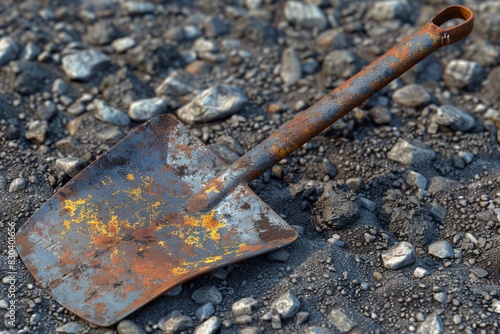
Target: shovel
x,y
160,208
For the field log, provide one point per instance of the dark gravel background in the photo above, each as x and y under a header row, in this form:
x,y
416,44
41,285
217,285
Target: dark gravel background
x,y
397,204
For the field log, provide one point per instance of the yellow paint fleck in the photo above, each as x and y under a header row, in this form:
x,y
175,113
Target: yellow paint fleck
x,y
130,177
212,190
103,183
179,271
192,240
209,222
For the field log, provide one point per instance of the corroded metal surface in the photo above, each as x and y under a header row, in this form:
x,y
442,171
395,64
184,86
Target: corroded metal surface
x,y
337,103
160,208
116,237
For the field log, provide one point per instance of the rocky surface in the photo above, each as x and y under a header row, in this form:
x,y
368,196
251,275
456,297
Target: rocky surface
x,y
397,205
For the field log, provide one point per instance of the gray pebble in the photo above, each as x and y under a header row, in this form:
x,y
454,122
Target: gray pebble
x,y
175,322
47,110
244,306
341,320
143,110
463,74
84,65
317,330
400,255
9,50
210,326
420,272
413,95
308,16
383,11
334,39
442,184
495,305
101,33
406,152
30,51
137,7
123,44
441,249
457,319
70,166
129,327
175,291
416,180
437,211
454,118
215,27
207,294
205,311
380,115
37,130
250,330
177,83
214,103
286,304
70,328
107,113
291,70
368,204
17,184
341,64
302,317
431,325
280,255
479,272
441,297
61,87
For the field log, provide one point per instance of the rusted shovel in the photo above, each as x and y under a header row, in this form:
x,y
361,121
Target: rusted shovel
x,y
160,208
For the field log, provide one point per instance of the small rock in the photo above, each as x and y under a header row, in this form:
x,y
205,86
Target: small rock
x,y
302,317
431,325
454,118
123,44
291,70
61,87
214,103
463,74
329,168
380,115
334,39
107,113
84,65
70,328
416,180
354,183
317,330
280,255
17,184
207,294
175,322
101,33
437,211
286,304
441,249
495,305
441,297
175,291
210,326
420,272
146,109
37,130
368,204
341,320
47,110
479,272
70,166
177,83
341,64
154,56
137,7
400,255
215,27
250,330
406,153
245,306
413,95
336,207
129,327
205,311
30,52
308,16
383,11
442,184
9,50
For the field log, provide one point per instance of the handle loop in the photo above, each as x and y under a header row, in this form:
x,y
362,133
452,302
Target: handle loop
x,y
457,32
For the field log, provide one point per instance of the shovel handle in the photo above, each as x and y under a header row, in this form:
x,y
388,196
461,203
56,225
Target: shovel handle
x,y
337,103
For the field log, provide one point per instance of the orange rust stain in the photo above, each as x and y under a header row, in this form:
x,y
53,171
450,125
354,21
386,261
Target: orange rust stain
x,y
249,248
208,221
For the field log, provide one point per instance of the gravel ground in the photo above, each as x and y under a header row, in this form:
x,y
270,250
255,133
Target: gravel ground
x,y
397,204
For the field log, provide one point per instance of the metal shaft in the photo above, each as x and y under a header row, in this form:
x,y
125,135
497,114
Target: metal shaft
x,y
336,104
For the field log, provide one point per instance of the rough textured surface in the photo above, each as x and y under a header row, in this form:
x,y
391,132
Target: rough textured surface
x,y
45,116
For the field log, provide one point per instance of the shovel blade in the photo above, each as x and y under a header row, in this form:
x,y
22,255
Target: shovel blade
x,y
116,236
